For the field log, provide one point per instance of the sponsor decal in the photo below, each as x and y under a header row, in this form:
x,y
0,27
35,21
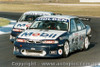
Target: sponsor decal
x,y
39,34
28,25
23,25
54,19
62,38
35,34
36,14
60,51
32,48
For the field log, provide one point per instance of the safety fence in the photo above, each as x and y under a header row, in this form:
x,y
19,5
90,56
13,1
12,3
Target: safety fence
x,y
57,1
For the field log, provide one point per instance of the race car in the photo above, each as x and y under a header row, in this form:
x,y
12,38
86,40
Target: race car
x,y
25,21
53,36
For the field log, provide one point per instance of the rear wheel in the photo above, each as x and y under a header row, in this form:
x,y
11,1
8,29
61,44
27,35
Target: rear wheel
x,y
66,49
18,56
12,42
86,43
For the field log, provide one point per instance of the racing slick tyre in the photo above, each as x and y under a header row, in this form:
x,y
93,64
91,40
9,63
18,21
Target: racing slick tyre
x,y
11,42
66,50
86,43
17,56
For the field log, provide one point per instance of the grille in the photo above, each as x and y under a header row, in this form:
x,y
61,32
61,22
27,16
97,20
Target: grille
x,y
33,52
32,41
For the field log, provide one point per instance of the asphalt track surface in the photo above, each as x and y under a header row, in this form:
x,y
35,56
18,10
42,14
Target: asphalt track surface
x,y
76,59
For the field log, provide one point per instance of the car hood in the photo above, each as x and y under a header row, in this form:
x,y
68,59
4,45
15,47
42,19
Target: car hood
x,y
36,34
22,25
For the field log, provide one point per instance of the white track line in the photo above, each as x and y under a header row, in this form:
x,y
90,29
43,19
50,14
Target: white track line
x,y
7,29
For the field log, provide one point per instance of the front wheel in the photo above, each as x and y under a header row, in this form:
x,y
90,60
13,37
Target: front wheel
x,y
86,43
66,49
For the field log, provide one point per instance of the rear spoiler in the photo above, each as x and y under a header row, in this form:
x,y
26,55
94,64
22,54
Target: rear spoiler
x,y
58,14
84,19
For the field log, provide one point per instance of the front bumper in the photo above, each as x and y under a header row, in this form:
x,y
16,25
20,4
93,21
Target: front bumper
x,y
38,50
12,38
14,35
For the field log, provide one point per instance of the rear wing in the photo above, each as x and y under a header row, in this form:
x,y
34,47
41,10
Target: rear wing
x,y
58,14
85,19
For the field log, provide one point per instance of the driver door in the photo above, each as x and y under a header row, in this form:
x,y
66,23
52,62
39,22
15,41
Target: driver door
x,y
74,34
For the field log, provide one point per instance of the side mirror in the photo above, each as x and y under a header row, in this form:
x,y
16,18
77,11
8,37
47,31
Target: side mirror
x,y
87,26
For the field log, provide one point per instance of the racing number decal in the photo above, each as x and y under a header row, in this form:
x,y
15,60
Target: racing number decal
x,y
81,38
75,39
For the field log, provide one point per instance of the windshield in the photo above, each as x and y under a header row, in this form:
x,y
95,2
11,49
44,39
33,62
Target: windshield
x,y
28,17
53,25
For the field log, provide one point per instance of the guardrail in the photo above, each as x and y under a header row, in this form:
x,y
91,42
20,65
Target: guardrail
x,y
57,1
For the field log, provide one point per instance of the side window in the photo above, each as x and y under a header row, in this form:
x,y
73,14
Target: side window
x,y
73,26
79,24
82,24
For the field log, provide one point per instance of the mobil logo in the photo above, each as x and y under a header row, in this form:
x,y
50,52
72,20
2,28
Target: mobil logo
x,y
39,34
21,25
48,35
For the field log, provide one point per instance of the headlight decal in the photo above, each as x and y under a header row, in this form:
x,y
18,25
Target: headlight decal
x,y
17,30
21,40
49,42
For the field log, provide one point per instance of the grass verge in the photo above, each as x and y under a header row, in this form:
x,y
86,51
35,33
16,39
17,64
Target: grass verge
x,y
63,9
4,22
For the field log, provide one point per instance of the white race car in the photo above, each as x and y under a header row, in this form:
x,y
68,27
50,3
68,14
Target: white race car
x,y
25,21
